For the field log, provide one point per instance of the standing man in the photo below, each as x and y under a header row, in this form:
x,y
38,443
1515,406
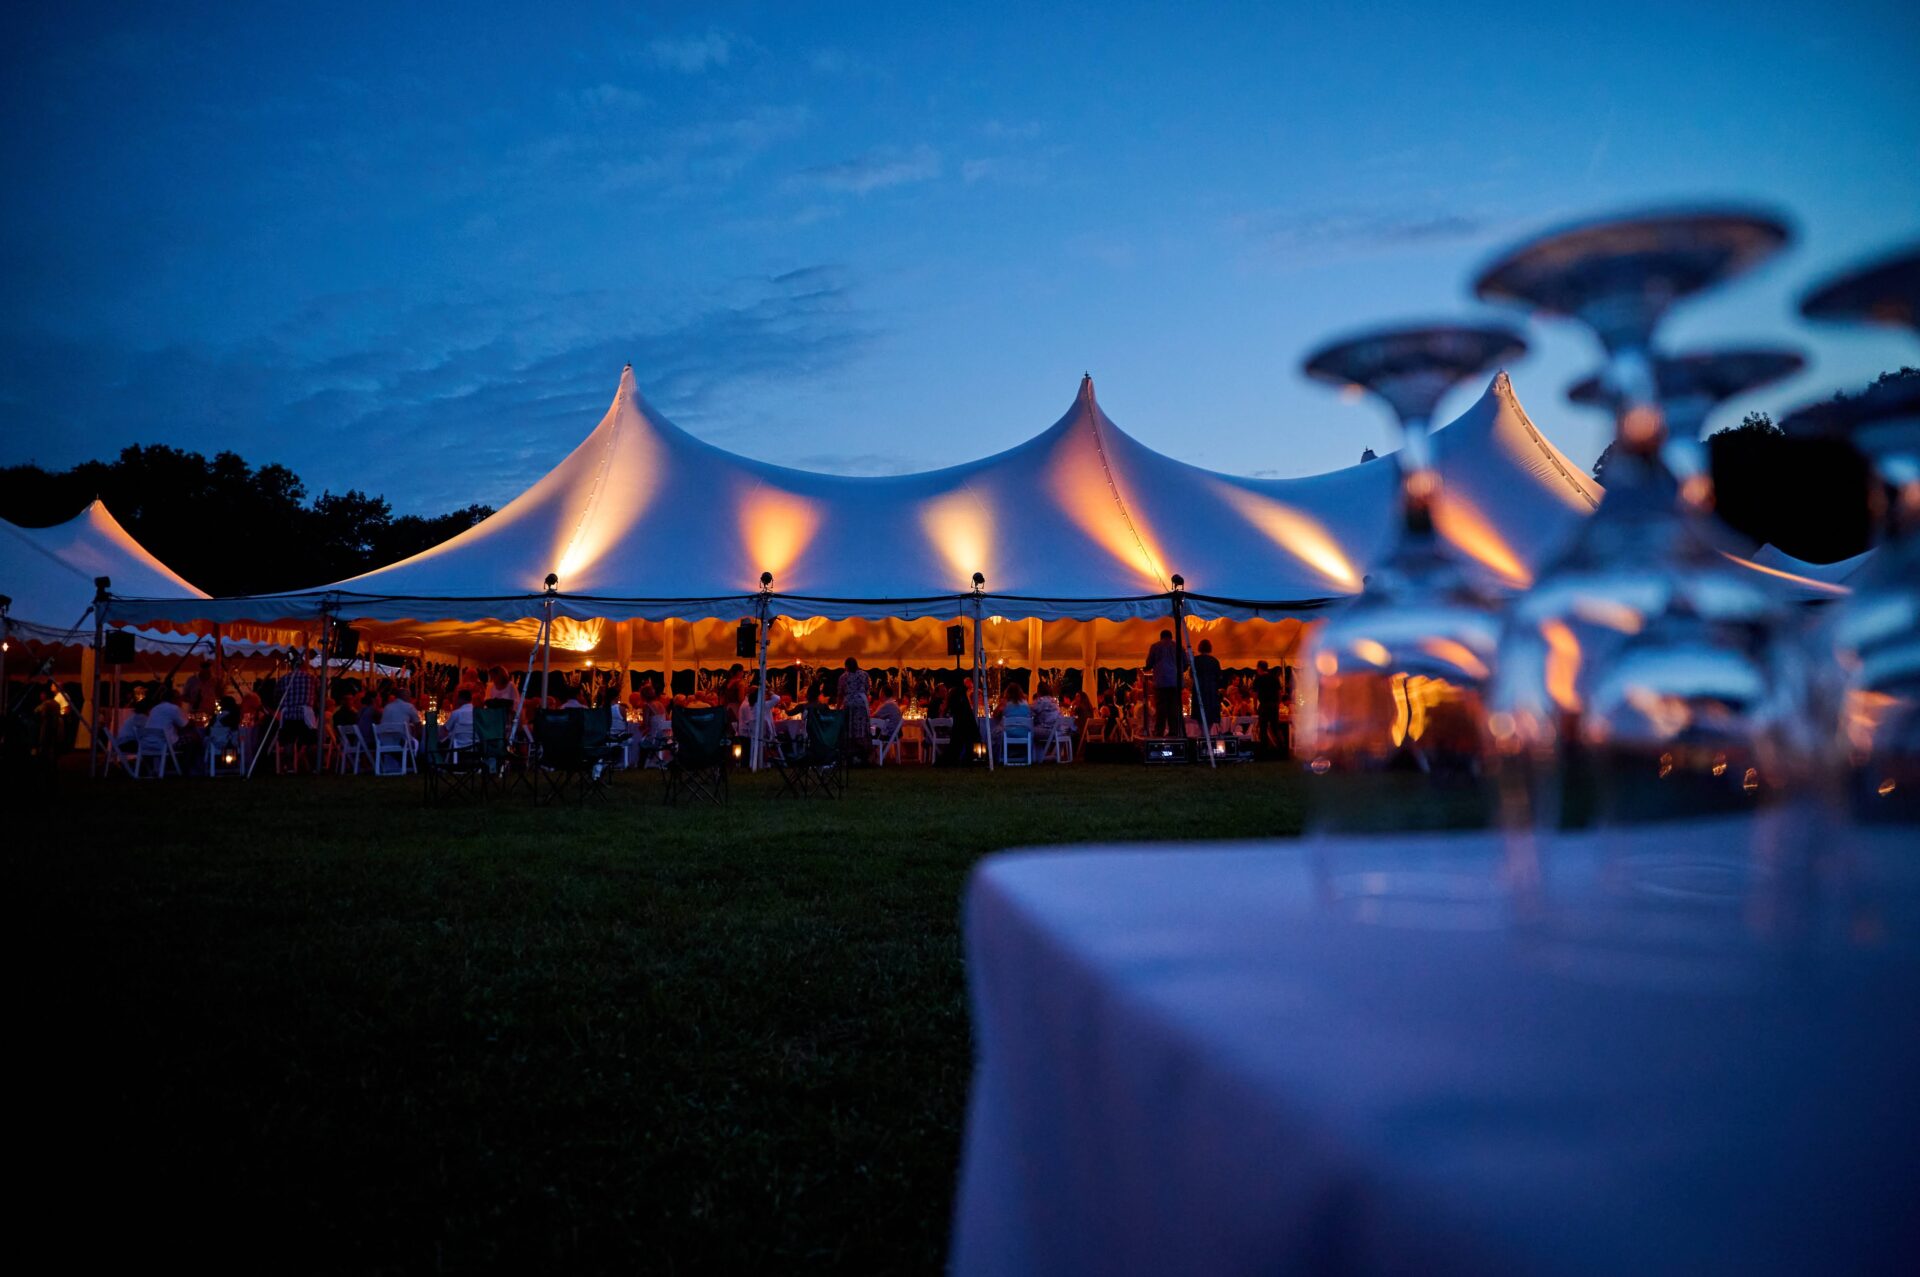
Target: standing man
x,y
1163,667
1267,695
1206,685
299,703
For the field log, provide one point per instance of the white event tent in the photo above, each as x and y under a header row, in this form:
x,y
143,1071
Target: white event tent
x,y
658,541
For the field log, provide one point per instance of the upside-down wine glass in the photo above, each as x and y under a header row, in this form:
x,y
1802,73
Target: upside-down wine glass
x,y
1642,557
1870,706
1401,668
1701,709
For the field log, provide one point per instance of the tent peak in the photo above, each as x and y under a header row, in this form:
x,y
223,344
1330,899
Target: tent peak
x,y
1086,386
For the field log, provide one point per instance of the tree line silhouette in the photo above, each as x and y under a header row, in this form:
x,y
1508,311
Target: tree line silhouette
x,y
228,526
1808,497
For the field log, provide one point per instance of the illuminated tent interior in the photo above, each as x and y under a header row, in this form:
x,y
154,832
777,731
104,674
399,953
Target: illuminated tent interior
x,y
658,541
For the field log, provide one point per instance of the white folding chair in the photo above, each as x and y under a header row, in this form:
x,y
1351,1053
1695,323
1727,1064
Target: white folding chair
x,y
890,742
154,746
939,732
350,749
394,742
1059,743
1017,738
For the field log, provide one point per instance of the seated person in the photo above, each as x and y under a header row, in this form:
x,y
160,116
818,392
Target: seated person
x,y
166,716
1046,711
1017,715
460,725
128,737
886,716
399,711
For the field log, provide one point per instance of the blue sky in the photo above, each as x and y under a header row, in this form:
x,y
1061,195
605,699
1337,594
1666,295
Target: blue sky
x,y
408,251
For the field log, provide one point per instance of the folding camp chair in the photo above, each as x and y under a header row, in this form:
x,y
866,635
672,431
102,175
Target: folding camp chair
x,y
701,754
817,765
445,774
567,757
498,764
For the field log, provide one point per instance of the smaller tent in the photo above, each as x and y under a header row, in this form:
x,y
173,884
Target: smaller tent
x,y
49,573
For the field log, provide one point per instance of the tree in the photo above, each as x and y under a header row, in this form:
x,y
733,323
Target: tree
x,y
228,526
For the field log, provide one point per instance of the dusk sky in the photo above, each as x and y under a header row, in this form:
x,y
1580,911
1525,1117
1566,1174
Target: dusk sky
x,y
409,253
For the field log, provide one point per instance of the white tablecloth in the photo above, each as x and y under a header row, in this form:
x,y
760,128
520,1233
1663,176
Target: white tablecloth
x,y
1305,1057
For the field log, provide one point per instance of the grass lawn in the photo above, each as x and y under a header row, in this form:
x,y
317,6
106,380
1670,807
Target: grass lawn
x,y
312,1024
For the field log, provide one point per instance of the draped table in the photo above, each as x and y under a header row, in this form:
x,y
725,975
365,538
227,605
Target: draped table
x,y
1428,1054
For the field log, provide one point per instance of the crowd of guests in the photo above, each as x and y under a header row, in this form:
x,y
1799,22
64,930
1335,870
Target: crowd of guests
x,y
1161,700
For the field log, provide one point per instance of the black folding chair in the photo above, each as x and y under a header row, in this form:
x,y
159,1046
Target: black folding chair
x,y
817,767
701,756
559,761
444,775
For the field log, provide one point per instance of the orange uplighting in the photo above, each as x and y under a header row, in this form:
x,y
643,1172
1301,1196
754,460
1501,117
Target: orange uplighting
x,y
1089,492
1609,614
577,636
1372,651
612,477
1456,654
1296,532
1563,665
961,528
776,527
1463,524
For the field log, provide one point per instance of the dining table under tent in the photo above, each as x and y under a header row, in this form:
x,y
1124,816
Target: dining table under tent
x,y
647,546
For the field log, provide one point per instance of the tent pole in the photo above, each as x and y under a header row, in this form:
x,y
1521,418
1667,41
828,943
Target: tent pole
x,y
760,702
546,652
666,659
326,680
1186,658
983,718
93,696
1090,664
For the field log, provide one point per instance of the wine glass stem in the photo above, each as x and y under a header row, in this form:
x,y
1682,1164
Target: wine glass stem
x,y
1419,479
1639,422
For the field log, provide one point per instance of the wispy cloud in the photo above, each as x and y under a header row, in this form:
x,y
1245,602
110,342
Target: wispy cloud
x,y
876,170
465,397
612,97
1011,130
858,463
1290,233
691,54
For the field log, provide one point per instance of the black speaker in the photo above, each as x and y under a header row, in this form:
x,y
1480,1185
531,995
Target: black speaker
x,y
956,640
118,649
346,642
746,639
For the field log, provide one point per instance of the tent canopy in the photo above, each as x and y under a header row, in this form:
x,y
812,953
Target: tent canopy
x,y
643,520
49,572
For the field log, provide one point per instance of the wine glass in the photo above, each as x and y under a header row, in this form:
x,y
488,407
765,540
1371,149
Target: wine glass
x,y
1642,555
1870,697
1401,668
1697,711
1882,292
